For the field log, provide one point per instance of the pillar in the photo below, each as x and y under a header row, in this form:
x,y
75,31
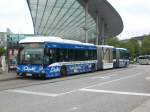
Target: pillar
x,y
86,17
103,32
97,28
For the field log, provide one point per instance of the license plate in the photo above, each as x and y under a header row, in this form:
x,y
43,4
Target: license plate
x,y
28,74
12,67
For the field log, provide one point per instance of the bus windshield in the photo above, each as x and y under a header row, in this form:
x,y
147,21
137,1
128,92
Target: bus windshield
x,y
144,57
31,55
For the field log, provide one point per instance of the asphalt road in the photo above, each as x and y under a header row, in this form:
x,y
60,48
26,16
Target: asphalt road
x,y
120,90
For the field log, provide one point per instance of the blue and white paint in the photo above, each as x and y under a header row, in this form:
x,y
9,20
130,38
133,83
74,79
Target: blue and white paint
x,y
53,70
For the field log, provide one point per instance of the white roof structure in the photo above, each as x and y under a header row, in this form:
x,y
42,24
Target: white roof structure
x,y
66,18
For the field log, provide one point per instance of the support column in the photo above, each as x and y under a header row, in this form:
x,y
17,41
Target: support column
x,y
103,32
86,17
97,28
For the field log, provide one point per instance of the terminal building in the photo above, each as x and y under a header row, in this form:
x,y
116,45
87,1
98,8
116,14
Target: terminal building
x,y
89,21
57,24
85,20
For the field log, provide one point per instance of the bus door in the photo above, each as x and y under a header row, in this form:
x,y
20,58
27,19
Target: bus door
x,y
107,58
99,58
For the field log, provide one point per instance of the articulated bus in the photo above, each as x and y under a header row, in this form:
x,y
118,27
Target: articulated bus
x,y
120,57
50,57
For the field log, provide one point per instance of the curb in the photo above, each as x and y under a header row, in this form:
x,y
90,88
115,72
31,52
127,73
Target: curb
x,y
5,77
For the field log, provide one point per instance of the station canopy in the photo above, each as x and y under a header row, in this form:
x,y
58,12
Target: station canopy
x,y
67,18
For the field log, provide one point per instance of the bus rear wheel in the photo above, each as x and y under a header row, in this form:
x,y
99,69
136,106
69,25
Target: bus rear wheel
x,y
63,71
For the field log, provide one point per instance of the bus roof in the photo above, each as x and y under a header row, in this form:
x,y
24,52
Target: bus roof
x,y
106,46
122,49
42,39
144,56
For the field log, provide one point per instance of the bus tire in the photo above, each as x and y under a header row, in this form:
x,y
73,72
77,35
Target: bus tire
x,y
63,71
93,69
43,76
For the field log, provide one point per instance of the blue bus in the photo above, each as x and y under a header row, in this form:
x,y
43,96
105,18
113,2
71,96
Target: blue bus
x,y
54,57
50,57
120,57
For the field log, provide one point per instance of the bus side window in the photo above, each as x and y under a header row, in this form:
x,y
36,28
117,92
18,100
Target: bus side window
x,y
92,55
50,53
61,55
65,55
49,58
87,57
71,55
46,60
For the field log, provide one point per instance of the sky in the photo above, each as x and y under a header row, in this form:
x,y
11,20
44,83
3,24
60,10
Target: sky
x,y
135,15
15,15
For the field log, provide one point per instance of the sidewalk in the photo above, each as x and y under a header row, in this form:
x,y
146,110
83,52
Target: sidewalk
x,y
8,76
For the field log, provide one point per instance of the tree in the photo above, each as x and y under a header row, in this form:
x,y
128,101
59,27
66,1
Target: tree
x,y
2,51
113,42
146,45
134,48
132,45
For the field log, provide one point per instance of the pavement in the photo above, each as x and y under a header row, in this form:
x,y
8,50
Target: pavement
x,y
119,90
7,75
4,76
145,107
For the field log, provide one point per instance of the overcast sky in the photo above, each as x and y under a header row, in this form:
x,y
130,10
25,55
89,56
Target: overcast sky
x,y
135,15
14,14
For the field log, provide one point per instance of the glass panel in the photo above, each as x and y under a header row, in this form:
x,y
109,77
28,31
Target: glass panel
x,y
60,18
107,55
31,54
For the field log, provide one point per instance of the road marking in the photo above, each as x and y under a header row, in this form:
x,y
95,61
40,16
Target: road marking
x,y
115,80
33,93
74,108
147,78
116,92
100,84
104,77
68,92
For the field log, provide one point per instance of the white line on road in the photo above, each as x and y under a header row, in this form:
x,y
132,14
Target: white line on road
x,y
99,84
147,78
116,92
104,77
68,92
33,93
115,80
